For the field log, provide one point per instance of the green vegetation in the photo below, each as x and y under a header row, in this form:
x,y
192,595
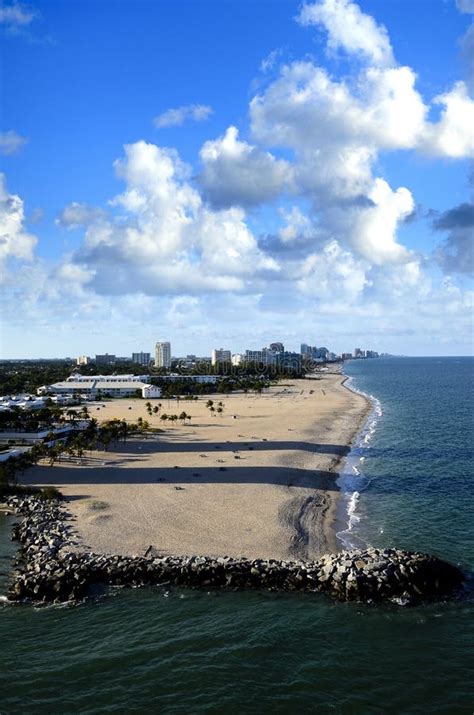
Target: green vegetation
x,y
17,376
50,494
17,420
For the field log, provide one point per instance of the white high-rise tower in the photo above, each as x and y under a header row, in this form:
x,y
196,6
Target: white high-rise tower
x,y
163,355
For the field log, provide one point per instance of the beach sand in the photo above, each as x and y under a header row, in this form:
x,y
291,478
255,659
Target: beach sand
x,y
261,484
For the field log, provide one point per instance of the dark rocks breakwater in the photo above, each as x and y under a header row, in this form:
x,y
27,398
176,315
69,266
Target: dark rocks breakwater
x,y
49,569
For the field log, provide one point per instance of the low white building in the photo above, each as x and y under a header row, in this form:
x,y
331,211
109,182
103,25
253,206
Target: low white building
x,y
23,402
77,377
95,386
150,392
173,377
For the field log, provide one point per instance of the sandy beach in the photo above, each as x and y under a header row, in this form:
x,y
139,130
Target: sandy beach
x,y
258,481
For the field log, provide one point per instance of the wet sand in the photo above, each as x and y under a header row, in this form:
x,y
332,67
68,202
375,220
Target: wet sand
x,y
258,481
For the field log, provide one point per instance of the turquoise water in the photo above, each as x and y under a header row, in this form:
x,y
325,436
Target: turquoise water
x,y
190,652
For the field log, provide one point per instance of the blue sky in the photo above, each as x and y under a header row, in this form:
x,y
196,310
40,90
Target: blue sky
x,y
292,172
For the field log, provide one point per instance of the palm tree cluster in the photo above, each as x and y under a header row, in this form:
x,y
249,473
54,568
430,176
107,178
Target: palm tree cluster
x,y
213,410
51,450
182,417
153,410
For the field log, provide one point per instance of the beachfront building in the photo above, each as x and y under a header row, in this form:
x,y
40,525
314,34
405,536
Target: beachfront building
x,y
95,386
163,355
141,359
237,359
151,392
202,379
220,355
24,402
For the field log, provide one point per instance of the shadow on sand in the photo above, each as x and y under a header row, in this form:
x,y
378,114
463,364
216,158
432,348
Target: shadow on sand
x,y
282,476
256,444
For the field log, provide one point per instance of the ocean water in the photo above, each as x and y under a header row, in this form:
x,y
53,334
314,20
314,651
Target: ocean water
x,y
408,483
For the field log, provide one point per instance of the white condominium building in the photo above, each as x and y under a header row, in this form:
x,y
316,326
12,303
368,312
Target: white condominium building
x,y
220,355
163,355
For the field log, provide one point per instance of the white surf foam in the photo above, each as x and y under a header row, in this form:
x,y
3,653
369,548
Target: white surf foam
x,y
352,480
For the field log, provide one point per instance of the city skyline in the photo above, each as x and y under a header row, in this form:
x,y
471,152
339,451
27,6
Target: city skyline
x,y
163,354
315,184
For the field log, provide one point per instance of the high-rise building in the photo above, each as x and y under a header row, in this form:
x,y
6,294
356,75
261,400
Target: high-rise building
x,y
357,353
83,360
105,359
277,347
220,355
163,355
289,361
141,358
264,356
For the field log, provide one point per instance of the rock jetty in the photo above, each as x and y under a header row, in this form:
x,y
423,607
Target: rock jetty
x,y
49,568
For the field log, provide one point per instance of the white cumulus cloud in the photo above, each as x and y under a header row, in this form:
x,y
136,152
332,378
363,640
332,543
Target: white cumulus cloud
x,y
78,214
453,135
237,173
163,239
11,142
350,29
15,242
176,117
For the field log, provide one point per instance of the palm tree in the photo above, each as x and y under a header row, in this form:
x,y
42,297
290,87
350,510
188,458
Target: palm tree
x,y
124,430
71,414
92,429
54,453
164,417
149,408
183,417
220,411
70,450
209,404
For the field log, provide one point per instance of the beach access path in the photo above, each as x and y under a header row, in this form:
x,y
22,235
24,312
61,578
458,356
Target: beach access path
x,y
258,481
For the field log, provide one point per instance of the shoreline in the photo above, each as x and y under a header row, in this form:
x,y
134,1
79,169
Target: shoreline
x,y
279,500
342,517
